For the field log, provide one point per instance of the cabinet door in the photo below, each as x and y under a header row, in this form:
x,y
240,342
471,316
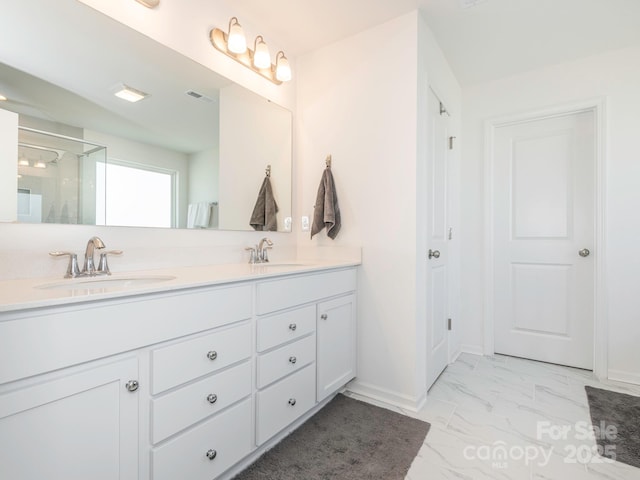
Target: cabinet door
x,y
336,347
75,427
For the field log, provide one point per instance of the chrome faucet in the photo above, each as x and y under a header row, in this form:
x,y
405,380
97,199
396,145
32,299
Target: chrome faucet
x,y
258,254
89,268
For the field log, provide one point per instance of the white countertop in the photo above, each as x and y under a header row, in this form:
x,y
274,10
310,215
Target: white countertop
x,y
25,293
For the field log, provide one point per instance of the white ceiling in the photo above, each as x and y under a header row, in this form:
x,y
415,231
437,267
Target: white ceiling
x,y
491,40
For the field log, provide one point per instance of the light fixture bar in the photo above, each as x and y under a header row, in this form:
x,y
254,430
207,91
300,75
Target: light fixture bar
x,y
219,40
149,3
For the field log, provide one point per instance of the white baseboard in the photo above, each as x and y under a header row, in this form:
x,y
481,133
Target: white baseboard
x,y
394,399
626,377
455,356
472,349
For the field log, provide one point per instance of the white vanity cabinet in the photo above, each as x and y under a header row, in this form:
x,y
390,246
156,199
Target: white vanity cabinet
x,y
81,424
336,356
194,382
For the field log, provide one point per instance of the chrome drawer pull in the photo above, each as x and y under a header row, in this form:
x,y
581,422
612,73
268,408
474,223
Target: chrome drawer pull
x,y
132,385
324,316
292,401
212,355
293,359
212,398
211,454
293,327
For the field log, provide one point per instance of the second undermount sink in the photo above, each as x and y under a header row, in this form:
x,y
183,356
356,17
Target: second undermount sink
x,y
92,283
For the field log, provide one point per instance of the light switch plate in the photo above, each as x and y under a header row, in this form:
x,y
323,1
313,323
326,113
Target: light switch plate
x,y
287,224
305,223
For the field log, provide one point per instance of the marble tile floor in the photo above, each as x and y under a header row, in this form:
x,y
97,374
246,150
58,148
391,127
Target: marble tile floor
x,y
506,418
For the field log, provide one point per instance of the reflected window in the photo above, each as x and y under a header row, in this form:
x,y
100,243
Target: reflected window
x,y
129,195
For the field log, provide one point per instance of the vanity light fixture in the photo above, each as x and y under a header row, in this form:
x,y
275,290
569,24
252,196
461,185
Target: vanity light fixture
x,y
130,94
234,44
149,3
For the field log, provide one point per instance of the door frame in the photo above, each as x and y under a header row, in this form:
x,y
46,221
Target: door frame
x,y
598,107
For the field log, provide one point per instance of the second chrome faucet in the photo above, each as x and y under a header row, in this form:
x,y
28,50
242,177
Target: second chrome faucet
x,y
258,254
89,268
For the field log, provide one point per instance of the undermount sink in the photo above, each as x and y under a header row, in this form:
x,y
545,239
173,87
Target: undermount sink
x,y
92,283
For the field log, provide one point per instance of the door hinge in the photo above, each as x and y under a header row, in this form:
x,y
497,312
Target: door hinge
x,y
448,324
451,142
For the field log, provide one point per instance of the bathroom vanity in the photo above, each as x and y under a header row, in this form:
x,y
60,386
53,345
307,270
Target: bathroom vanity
x,y
191,377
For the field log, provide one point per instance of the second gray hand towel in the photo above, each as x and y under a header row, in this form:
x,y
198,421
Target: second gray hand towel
x,y
326,212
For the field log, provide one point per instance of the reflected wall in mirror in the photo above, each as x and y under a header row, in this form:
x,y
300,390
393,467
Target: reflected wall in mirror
x,y
191,154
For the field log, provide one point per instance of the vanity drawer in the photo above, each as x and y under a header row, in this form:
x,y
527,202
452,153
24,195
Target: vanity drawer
x,y
287,292
227,434
275,409
188,405
285,360
278,329
181,362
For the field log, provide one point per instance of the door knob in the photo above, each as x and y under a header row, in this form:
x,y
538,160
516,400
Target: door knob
x,y
584,252
434,254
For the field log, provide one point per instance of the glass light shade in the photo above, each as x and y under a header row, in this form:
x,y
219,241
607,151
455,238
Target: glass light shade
x,y
261,56
236,42
283,70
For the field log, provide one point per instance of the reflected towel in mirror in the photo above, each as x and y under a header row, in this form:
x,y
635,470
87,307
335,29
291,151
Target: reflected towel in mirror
x,y
264,213
198,215
326,212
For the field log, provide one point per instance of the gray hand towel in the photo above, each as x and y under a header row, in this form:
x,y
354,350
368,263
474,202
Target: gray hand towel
x,y
264,212
326,212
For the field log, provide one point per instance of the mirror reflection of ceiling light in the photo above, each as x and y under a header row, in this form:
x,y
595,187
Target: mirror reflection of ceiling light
x,y
40,164
23,162
2,98
234,44
130,94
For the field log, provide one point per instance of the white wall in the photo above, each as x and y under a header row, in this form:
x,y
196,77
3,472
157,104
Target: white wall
x,y
254,133
363,101
616,76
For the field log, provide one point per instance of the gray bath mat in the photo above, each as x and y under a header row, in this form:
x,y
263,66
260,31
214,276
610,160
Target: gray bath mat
x,y
616,417
346,440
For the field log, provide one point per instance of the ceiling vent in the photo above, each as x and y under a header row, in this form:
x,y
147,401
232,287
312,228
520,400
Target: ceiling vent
x,y
199,96
470,3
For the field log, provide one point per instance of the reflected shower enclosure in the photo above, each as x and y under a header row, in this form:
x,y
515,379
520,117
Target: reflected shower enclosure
x,y
57,178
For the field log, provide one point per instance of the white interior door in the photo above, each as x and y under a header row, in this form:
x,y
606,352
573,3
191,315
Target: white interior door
x,y
437,261
544,239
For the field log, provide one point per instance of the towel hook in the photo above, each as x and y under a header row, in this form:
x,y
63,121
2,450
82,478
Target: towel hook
x,y
328,161
268,171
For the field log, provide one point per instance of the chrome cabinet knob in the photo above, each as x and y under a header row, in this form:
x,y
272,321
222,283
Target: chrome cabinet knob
x,y
434,254
211,454
293,360
292,327
212,398
324,316
212,355
292,401
132,385
584,252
